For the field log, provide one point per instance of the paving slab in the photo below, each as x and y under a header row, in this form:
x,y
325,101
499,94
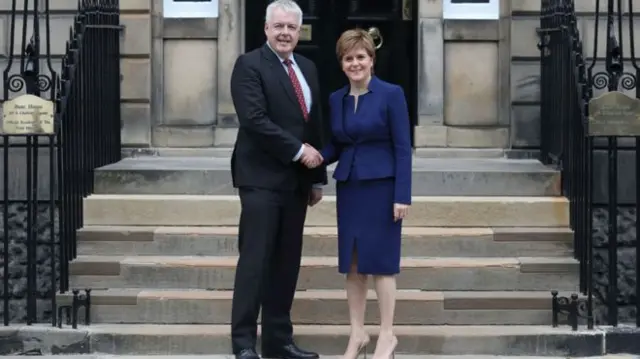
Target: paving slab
x,y
399,356
328,340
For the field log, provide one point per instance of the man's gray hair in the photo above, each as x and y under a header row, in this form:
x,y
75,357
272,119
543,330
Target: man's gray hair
x,y
286,6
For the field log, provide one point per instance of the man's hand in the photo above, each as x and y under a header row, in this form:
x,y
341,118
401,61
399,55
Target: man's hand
x,y
315,196
311,157
400,211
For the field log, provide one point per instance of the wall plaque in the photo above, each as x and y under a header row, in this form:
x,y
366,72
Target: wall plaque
x,y
190,8
471,9
27,114
614,114
306,32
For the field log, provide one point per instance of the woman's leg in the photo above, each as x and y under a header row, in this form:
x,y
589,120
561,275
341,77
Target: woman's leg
x,y
386,292
356,286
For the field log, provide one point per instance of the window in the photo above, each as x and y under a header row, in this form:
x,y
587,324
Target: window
x,y
190,8
472,9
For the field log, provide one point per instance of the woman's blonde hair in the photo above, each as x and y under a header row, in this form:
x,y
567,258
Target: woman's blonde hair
x,y
355,39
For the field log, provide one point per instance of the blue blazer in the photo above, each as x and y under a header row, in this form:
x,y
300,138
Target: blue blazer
x,y
381,146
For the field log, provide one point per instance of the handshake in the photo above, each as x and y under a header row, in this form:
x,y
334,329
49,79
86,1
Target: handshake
x,y
311,157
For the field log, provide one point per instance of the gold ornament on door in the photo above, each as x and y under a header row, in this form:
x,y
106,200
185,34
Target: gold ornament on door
x,y
375,34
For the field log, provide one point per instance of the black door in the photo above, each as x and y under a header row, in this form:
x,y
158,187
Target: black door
x,y
391,22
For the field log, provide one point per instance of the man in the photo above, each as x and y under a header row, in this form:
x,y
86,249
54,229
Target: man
x,y
276,167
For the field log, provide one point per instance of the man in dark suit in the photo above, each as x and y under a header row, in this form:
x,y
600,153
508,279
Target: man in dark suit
x,y
276,167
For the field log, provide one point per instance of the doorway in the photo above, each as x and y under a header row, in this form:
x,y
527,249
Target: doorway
x,y
392,23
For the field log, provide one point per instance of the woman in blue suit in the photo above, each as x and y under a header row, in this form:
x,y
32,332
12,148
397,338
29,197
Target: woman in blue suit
x,y
371,141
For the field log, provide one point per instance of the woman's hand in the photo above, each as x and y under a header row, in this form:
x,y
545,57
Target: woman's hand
x,y
400,211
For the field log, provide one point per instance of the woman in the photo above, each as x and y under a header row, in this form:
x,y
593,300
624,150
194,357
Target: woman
x,y
371,141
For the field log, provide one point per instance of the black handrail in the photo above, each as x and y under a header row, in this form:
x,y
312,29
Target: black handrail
x,y
565,96
569,82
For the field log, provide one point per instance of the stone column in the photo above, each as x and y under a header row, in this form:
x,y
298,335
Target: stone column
x,y
477,101
136,54
185,75
430,131
157,57
230,39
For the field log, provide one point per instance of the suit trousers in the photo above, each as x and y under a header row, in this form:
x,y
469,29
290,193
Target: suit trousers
x,y
270,249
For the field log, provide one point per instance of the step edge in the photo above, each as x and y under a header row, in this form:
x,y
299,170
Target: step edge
x,y
332,198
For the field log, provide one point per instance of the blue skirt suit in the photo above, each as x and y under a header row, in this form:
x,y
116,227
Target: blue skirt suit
x,y
372,145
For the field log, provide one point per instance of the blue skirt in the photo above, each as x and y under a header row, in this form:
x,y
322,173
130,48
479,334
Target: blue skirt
x,y
366,226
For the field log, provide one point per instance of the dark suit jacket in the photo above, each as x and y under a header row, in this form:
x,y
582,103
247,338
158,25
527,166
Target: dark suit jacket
x,y
379,146
272,127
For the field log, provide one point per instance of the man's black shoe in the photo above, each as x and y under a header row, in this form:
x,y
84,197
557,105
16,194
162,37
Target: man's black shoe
x,y
289,351
247,354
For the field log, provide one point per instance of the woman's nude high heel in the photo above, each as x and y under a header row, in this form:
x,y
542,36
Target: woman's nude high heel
x,y
362,348
392,354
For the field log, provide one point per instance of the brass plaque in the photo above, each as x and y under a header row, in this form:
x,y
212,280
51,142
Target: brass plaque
x,y
614,114
27,114
305,32
407,9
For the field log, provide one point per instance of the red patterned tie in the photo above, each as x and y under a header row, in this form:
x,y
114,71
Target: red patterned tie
x,y
297,88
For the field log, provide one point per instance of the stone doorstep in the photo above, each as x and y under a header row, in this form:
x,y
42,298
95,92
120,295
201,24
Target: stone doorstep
x,y
500,234
426,211
96,265
225,152
151,306
438,176
147,339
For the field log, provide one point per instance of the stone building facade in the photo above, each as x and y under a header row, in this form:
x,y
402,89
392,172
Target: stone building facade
x,y
478,85
477,79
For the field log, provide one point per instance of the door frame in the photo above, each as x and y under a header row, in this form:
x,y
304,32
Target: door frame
x,y
251,14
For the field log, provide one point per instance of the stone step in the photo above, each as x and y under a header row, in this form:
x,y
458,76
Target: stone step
x,y
326,307
322,241
397,356
149,339
436,211
225,152
431,177
217,273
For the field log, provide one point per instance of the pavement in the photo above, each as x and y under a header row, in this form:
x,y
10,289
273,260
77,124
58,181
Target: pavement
x,y
399,356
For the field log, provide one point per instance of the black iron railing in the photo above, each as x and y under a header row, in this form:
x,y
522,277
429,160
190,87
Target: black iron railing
x,y
570,117
58,161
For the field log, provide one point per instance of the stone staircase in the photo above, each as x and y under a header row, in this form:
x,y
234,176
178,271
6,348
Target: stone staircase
x,y
486,241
